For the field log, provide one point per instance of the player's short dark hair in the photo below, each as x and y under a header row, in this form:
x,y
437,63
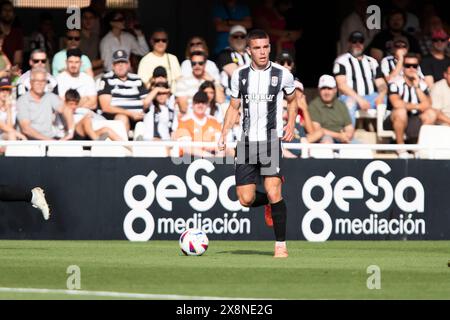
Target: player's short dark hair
x,y
256,34
72,95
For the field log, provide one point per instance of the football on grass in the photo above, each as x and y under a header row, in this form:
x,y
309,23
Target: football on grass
x,y
194,242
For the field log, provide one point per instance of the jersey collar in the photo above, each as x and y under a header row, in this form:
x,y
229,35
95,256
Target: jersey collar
x,y
269,65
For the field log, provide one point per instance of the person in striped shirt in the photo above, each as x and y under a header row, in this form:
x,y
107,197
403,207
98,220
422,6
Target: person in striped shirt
x,y
359,78
410,102
122,95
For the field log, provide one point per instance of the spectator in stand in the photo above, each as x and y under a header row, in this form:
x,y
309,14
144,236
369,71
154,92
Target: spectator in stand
x,y
440,97
122,95
188,86
233,57
215,109
73,78
44,38
90,39
36,110
330,115
159,57
392,66
286,60
5,64
269,17
356,21
412,25
83,122
432,23
160,121
38,59
435,65
73,37
227,14
382,43
359,78
199,127
118,39
14,40
8,113
410,103
198,44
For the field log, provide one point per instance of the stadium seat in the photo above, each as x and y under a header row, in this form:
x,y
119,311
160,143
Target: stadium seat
x,y
382,114
321,153
150,152
370,114
432,138
65,151
25,151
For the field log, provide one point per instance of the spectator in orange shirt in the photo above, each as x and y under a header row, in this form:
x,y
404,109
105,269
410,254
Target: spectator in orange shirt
x,y
199,127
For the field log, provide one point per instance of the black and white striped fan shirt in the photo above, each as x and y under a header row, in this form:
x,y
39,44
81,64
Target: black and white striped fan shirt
x,y
360,74
407,93
262,93
126,94
388,65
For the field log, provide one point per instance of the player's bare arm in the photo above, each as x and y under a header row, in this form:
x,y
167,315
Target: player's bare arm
x,y
292,114
231,117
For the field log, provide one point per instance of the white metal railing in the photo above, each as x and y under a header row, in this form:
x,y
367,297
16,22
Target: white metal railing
x,y
181,144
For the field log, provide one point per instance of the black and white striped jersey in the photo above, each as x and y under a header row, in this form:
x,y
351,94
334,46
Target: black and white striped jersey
x,y
126,94
388,65
262,93
360,74
407,93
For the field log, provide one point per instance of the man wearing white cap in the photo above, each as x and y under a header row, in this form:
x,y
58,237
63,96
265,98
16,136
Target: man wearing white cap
x,y
233,57
331,114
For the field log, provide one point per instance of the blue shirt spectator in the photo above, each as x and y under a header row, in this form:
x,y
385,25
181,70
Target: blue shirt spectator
x,y
228,13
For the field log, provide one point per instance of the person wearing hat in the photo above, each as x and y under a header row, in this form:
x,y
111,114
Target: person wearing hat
x,y
330,115
199,127
359,78
286,60
122,95
392,66
233,57
7,113
436,64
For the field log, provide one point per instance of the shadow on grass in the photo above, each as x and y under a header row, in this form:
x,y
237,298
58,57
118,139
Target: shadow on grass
x,y
247,253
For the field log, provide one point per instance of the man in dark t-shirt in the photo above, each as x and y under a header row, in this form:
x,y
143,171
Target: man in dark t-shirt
x,y
434,66
383,43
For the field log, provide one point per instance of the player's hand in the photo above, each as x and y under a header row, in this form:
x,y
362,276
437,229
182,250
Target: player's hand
x,y
221,145
289,132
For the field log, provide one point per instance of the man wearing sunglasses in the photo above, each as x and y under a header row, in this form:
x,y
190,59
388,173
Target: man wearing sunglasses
x,y
118,39
38,59
73,37
233,57
159,57
360,81
392,66
435,65
410,103
188,86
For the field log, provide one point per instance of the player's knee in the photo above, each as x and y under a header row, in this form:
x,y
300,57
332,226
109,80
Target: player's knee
x,y
246,200
274,196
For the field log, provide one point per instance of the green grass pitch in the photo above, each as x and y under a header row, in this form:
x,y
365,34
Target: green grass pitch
x,y
332,270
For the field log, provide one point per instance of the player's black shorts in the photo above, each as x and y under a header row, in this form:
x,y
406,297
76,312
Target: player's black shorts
x,y
257,159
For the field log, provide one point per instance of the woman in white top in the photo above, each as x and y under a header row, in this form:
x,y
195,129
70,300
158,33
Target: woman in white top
x,y
161,119
215,109
193,45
